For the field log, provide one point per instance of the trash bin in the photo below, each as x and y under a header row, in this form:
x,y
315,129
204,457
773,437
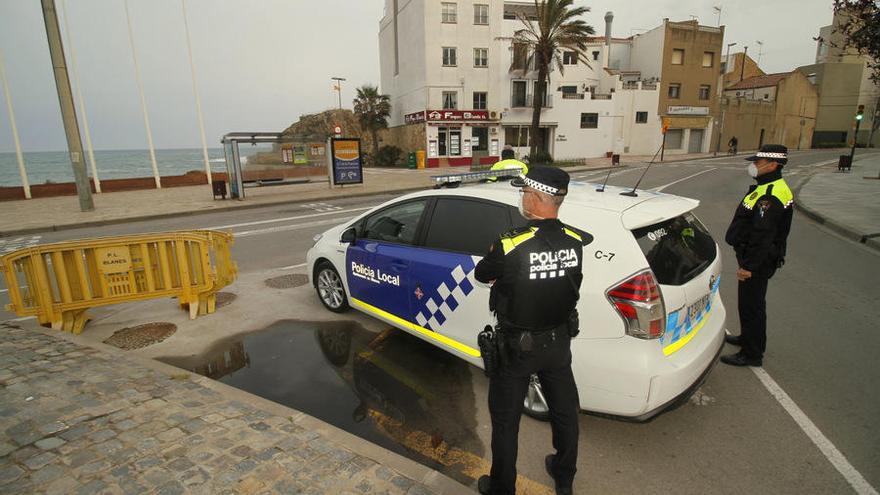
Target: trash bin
x,y
844,163
219,187
420,159
615,159
411,161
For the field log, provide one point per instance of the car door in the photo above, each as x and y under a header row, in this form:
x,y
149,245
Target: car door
x,y
446,302
378,264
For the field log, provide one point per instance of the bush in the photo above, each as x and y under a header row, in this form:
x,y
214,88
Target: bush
x,y
541,158
389,156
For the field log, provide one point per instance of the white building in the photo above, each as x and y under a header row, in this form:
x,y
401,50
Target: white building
x,y
461,90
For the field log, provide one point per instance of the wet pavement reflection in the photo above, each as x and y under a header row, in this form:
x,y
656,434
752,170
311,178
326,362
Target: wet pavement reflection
x,y
389,388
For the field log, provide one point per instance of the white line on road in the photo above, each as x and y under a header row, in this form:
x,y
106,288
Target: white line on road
x,y
837,459
292,267
664,186
4,290
285,228
21,319
275,220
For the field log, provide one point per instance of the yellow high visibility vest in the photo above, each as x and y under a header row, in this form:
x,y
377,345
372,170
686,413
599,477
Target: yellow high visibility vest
x,y
509,164
780,191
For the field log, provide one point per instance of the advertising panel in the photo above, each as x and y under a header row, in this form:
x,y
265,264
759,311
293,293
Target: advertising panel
x,y
346,160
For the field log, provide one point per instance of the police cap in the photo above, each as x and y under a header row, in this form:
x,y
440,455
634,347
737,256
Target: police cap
x,y
548,180
773,152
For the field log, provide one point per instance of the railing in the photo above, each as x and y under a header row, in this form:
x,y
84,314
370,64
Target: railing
x,y
58,282
572,96
631,85
596,96
528,101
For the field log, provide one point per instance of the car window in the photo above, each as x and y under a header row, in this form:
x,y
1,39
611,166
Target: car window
x,y
677,249
397,223
466,226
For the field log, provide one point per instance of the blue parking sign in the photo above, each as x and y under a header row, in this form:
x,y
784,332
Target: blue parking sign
x,y
347,161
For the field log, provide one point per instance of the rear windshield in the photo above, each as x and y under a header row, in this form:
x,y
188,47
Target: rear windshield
x,y
678,249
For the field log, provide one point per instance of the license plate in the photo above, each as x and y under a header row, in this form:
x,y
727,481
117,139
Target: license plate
x,y
697,307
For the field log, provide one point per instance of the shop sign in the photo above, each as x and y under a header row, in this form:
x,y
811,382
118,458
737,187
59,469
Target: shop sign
x,y
686,110
414,118
457,115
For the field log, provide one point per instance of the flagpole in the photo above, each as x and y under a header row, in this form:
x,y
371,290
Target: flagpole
x,y
21,170
137,73
192,69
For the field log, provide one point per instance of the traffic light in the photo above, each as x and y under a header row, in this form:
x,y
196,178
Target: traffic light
x,y
860,113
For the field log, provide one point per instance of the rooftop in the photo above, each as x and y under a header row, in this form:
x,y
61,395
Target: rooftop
x,y
765,81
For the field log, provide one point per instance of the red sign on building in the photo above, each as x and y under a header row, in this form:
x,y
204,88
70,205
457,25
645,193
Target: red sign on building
x,y
414,118
457,115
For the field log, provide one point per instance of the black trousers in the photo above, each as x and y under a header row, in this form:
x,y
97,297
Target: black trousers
x,y
507,391
752,305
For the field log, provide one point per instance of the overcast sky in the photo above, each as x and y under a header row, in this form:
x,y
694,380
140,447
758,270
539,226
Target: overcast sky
x,y
261,64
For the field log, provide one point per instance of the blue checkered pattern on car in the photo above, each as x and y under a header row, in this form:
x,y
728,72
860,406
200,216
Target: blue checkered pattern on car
x,y
438,303
680,323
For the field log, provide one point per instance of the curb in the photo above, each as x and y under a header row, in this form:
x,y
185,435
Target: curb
x,y
435,480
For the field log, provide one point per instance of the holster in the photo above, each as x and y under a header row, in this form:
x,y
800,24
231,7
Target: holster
x,y
489,342
574,324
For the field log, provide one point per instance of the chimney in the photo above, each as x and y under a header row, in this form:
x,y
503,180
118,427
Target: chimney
x,y
609,16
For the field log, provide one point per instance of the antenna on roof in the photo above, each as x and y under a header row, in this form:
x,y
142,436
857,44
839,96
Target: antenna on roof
x,y
602,189
633,192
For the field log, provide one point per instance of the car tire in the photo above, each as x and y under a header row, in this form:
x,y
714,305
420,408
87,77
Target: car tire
x,y
535,405
328,285
336,345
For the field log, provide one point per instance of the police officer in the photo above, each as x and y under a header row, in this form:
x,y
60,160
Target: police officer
x,y
758,234
508,162
536,272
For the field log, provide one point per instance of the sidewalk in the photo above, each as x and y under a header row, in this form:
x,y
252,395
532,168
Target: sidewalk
x,y
846,202
59,213
92,419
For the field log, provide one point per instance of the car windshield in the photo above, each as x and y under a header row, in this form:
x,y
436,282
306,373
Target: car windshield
x,y
677,249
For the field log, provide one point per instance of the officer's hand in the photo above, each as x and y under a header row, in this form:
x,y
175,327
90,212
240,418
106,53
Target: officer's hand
x,y
742,274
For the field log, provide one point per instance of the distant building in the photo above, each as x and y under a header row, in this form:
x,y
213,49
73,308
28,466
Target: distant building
x,y
772,108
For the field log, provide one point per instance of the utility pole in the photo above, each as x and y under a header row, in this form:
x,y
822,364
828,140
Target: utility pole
x,y
68,111
742,69
338,88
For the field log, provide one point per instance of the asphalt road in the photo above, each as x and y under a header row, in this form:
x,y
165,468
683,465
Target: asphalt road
x,y
735,435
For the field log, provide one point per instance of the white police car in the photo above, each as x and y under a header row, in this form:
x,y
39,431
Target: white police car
x,y
652,321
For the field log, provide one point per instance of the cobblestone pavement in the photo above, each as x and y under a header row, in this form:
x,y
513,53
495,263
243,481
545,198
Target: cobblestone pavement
x,y
82,420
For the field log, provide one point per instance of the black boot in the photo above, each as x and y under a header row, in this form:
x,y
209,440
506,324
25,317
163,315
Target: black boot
x,y
560,490
484,485
733,339
740,359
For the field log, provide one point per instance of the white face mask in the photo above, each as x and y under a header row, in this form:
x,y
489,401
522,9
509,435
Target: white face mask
x,y
752,170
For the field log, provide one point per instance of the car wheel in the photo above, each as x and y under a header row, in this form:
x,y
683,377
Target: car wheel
x,y
535,405
329,286
335,344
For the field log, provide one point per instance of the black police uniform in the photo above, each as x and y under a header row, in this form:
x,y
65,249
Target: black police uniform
x,y
537,274
758,234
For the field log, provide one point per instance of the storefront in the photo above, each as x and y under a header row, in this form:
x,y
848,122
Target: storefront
x,y
459,138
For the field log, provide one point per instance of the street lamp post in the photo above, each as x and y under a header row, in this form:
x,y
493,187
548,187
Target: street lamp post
x,y
339,88
860,113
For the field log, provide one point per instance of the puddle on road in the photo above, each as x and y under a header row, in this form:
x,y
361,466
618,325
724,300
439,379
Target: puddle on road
x,y
389,388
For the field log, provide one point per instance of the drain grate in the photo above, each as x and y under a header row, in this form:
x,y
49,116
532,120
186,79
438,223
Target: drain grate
x,y
225,298
141,336
287,281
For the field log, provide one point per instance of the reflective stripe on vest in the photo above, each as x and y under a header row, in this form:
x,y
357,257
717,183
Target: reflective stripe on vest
x,y
778,188
510,243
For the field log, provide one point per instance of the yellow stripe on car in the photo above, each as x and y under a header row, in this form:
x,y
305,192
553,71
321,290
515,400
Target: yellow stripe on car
x,y
678,344
470,351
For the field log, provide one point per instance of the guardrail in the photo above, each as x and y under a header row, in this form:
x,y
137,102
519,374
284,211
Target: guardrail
x,y
59,282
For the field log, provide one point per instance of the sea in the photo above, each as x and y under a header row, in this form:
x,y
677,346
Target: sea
x,y
54,166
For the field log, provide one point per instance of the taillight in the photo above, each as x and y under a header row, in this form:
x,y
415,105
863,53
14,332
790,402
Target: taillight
x,y
638,302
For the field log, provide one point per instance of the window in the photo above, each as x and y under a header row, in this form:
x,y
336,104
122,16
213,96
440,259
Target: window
x,y
568,89
677,56
479,100
674,91
480,139
397,223
708,59
449,56
481,14
569,58
481,57
704,91
516,136
465,225
518,94
596,55
589,120
520,56
449,12
641,117
450,100
678,249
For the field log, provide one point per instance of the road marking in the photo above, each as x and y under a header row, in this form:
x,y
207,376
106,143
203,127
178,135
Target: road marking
x,y
285,228
292,267
661,188
834,456
286,219
321,206
21,319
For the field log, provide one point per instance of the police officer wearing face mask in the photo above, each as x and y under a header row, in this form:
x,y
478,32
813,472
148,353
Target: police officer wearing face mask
x,y
758,234
536,276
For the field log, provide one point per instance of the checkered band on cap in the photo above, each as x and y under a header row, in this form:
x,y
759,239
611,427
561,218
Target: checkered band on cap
x,y
765,154
544,188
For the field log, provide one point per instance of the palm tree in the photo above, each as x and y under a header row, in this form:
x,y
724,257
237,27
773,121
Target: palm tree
x,y
556,29
372,110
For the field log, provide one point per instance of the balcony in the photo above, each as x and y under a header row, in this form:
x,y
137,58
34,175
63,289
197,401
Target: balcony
x,y
597,96
572,96
517,101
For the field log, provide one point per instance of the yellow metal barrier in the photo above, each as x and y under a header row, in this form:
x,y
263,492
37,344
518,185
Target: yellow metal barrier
x,y
58,282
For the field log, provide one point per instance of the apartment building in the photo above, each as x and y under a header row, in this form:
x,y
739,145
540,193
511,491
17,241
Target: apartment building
x,y
461,89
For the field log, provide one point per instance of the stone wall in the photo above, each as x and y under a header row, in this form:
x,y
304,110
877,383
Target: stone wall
x,y
408,138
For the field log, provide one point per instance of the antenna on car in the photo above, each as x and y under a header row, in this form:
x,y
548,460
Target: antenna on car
x,y
633,192
602,189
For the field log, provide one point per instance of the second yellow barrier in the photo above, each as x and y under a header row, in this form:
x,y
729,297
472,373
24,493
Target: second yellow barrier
x,y
58,282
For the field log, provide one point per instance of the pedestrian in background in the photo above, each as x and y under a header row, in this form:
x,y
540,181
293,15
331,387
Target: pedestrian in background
x,y
759,235
535,273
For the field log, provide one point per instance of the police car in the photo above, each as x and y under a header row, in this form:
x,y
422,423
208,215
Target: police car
x,y
652,320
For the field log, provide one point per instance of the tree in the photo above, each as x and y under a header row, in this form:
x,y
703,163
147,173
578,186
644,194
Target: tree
x,y
554,29
372,110
860,29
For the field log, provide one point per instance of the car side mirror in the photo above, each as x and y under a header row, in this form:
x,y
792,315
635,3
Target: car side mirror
x,y
349,236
